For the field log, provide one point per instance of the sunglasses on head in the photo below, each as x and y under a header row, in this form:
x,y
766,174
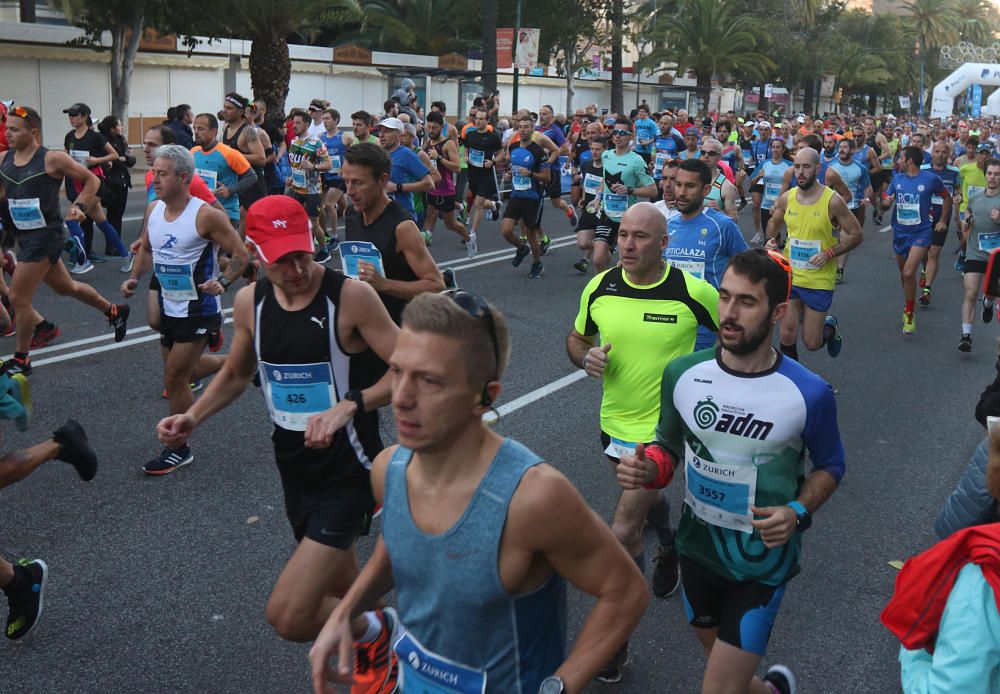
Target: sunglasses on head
x,y
21,112
785,265
476,306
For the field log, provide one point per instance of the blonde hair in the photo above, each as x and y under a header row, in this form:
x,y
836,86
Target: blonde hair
x,y
440,315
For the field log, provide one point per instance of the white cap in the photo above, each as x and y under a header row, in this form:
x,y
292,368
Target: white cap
x,y
392,124
764,124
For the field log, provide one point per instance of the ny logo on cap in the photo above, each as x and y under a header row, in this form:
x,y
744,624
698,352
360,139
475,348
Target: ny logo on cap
x,y
279,223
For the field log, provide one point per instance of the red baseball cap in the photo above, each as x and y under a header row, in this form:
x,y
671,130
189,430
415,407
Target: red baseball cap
x,y
277,225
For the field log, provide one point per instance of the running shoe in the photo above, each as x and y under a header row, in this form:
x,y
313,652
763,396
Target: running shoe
x,y
925,297
81,268
923,279
743,205
612,672
574,219
537,269
169,460
472,245
758,239
582,265
666,573
195,386
75,449
9,262
546,242
16,366
75,250
840,275
521,254
834,340
97,258
118,319
44,334
460,209
782,679
375,666
496,211
127,263
21,391
450,279
322,256
909,324
333,244
965,344
960,262
987,309
26,600
427,236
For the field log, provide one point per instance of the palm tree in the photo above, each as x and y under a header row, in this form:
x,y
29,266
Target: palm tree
x,y
708,38
617,20
935,23
977,21
425,27
489,45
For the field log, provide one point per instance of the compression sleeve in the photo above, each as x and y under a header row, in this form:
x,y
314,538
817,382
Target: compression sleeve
x,y
246,179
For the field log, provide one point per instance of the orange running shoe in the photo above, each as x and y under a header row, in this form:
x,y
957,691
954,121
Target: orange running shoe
x,y
375,667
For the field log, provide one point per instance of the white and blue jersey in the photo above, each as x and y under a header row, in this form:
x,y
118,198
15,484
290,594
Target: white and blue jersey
x,y
912,195
772,179
857,179
335,146
949,177
645,129
760,151
667,147
182,261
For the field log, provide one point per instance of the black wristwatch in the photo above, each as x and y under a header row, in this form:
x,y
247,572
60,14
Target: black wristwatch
x,y
803,519
552,685
399,187
358,399
80,206
629,190
225,282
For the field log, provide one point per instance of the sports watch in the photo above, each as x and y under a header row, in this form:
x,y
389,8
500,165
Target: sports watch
x,y
225,282
803,519
355,395
552,685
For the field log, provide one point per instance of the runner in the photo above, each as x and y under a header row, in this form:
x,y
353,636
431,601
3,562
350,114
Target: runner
x,y
625,178
857,179
548,127
646,130
700,240
941,206
240,133
31,176
361,121
304,321
334,188
647,314
481,145
182,239
226,171
24,582
971,180
722,196
668,144
980,237
760,150
454,487
443,152
315,113
592,176
911,191
768,177
732,156
691,140
739,536
309,159
667,205
810,211
409,174
525,205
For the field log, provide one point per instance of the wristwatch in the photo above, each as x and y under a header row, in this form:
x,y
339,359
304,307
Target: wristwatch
x,y
358,399
630,190
225,282
552,685
803,519
399,187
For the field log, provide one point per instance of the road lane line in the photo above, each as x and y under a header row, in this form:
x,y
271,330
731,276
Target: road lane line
x,y
534,396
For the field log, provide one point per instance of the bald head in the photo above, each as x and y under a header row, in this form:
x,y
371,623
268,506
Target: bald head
x,y
807,156
805,168
644,215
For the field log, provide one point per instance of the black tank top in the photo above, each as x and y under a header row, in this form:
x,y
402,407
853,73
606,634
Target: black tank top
x,y
257,190
382,233
873,143
303,369
24,184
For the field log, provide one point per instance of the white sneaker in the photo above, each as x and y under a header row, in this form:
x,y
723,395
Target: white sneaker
x,y
82,268
757,240
471,247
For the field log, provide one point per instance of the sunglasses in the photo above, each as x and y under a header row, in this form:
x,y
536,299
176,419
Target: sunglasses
x,y
785,265
476,306
710,153
616,132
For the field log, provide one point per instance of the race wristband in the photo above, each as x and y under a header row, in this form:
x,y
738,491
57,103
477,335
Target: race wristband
x,y
831,253
664,466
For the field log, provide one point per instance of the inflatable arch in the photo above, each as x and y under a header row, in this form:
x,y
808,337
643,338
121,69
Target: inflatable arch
x,y
955,84
992,107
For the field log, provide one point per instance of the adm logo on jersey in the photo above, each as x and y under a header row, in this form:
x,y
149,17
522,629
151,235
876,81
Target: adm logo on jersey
x,y
730,419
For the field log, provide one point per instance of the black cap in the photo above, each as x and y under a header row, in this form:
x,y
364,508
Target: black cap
x,y
82,109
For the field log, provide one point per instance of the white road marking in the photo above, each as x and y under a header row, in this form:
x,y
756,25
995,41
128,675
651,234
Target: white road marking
x,y
884,229
535,395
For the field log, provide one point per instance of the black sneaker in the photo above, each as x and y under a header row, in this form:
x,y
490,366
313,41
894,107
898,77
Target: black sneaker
x,y
925,298
666,573
965,344
322,256
582,265
537,269
75,449
840,275
987,310
612,672
450,279
743,204
118,318
16,366
520,254
169,460
545,243
26,600
782,679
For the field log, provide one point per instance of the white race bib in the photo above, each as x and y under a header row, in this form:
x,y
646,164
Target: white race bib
x,y
210,177
80,155
989,242
299,179
661,159
352,252
720,493
423,672
618,447
335,164
937,200
800,251
771,193
27,213
615,205
176,281
296,392
695,267
477,157
522,182
908,213
592,184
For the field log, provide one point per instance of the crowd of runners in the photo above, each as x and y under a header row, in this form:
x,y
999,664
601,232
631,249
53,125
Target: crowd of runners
x,y
324,223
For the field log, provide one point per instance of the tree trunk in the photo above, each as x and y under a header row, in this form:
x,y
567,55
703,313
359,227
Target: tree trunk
x,y
270,71
704,91
807,96
489,69
617,85
570,56
124,46
873,103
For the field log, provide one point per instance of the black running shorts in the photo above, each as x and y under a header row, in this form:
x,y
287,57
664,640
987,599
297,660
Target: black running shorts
x,y
190,329
442,203
39,245
525,209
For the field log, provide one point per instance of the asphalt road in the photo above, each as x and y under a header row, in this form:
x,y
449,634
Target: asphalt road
x,y
159,584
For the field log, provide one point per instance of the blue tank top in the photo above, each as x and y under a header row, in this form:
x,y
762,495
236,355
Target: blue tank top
x,y
461,625
335,146
856,177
